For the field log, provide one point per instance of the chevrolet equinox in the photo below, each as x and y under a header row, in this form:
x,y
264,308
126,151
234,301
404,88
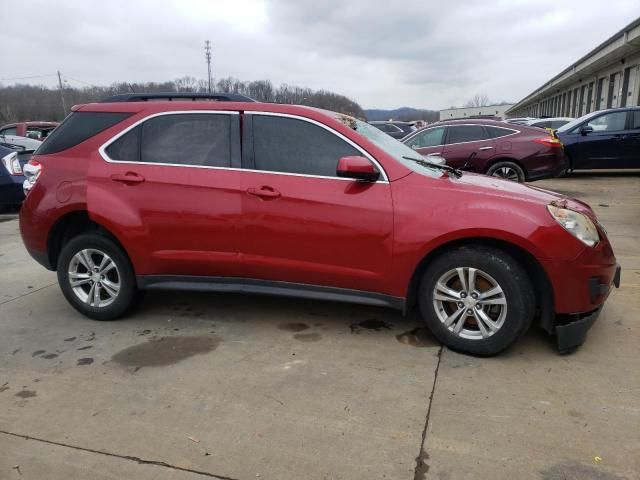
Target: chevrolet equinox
x,y
221,193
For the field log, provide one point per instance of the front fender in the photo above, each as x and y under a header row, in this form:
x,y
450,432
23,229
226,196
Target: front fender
x,y
451,213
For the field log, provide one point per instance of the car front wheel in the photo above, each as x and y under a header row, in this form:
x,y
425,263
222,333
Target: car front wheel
x,y
476,300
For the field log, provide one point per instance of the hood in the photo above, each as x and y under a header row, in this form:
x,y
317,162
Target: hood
x,y
518,191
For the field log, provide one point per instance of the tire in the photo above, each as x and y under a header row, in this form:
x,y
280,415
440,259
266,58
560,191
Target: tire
x,y
115,285
508,171
466,329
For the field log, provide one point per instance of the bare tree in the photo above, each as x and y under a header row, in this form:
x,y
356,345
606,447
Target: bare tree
x,y
478,100
34,102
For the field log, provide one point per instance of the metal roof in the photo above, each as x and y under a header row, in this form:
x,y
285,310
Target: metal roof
x,y
604,54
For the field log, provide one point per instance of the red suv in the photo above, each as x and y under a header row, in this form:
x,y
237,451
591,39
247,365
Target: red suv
x,y
220,193
500,149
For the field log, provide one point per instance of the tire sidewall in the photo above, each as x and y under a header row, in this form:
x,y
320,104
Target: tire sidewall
x,y
514,166
507,273
127,294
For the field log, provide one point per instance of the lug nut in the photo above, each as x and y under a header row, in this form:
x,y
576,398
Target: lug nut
x,y
479,307
474,295
469,312
460,304
463,295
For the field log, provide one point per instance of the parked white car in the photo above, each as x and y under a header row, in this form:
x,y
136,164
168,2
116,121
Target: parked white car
x,y
550,123
25,142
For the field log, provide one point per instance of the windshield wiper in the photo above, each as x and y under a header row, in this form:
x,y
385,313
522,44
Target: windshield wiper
x,y
457,173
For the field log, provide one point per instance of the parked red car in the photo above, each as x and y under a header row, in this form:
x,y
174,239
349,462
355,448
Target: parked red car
x,y
515,152
36,130
233,195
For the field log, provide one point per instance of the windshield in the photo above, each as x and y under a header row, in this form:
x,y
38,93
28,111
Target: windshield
x,y
390,145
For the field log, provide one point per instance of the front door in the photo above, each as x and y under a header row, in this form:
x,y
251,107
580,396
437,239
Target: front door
x,y
604,147
466,145
303,224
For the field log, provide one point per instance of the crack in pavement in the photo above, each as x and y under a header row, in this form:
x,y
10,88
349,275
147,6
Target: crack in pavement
x,y
138,460
420,472
28,293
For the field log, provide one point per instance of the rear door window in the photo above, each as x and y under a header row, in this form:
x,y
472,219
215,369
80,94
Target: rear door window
x,y
178,139
465,133
282,144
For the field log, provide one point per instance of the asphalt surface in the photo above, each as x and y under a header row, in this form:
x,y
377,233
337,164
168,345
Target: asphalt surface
x,y
197,385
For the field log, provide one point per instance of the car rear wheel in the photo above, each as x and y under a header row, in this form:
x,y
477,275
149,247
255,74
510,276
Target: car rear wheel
x,y
96,277
476,300
507,170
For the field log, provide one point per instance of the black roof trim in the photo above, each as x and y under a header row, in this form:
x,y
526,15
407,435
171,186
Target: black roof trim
x,y
170,96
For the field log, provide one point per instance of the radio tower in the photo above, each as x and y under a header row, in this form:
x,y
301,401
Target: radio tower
x,y
207,55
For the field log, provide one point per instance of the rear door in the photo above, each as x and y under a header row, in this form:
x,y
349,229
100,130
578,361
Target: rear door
x,y
300,222
428,141
466,145
605,146
171,183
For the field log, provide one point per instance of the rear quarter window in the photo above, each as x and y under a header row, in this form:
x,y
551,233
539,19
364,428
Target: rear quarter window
x,y
497,132
78,127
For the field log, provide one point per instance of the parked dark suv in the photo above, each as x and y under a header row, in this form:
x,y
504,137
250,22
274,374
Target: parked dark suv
x,y
603,139
225,194
515,152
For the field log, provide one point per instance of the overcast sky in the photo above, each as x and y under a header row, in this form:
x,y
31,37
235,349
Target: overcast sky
x,y
420,53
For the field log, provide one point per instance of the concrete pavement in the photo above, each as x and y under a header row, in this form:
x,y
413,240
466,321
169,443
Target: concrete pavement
x,y
236,387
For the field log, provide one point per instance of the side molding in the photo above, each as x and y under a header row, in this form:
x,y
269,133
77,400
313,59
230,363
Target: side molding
x,y
267,287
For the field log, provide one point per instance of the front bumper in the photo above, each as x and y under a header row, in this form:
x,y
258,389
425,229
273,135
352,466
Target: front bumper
x,y
572,334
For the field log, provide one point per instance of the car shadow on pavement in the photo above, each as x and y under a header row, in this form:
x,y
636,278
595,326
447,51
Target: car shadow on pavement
x,y
305,319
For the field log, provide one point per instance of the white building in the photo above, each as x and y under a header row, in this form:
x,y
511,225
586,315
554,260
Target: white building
x,y
497,111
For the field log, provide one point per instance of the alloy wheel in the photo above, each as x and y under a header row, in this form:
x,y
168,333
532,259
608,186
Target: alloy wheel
x,y
506,172
94,277
470,303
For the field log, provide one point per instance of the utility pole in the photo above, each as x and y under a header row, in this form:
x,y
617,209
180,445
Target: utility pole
x,y
207,56
64,108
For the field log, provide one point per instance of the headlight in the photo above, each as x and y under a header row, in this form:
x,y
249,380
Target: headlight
x,y
577,224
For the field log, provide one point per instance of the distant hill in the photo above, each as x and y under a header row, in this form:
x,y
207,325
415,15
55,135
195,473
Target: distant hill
x,y
403,114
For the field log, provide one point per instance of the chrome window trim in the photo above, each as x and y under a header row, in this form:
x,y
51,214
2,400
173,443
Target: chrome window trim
x,y
106,158
515,132
383,173
103,153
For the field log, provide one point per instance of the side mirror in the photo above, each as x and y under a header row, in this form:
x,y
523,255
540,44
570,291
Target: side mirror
x,y
586,129
358,168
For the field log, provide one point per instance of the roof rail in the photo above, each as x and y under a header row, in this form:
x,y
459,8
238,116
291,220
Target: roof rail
x,y
180,96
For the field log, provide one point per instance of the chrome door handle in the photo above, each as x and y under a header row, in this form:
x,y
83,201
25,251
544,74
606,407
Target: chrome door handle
x,y
482,149
434,154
